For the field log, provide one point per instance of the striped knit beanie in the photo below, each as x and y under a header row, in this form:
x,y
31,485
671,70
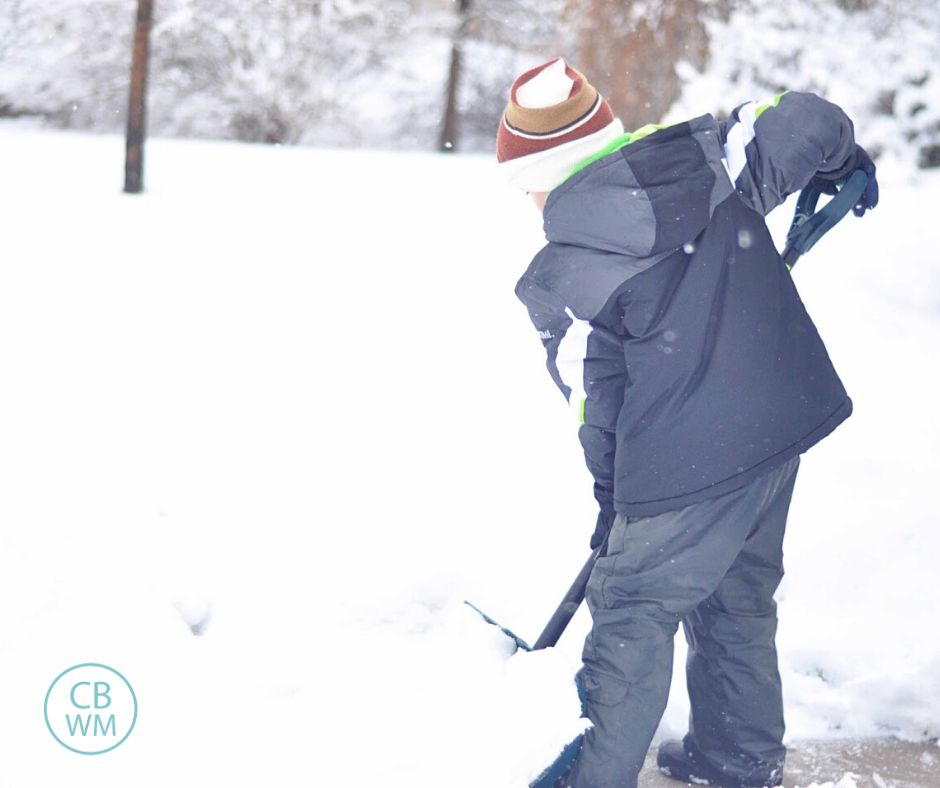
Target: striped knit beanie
x,y
555,119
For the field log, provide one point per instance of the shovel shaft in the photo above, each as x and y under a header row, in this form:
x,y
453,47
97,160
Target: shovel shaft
x,y
569,604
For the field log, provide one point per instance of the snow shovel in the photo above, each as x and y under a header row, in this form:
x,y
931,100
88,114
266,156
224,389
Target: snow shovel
x,y
809,226
563,613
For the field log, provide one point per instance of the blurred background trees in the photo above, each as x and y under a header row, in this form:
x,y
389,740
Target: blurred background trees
x,y
382,72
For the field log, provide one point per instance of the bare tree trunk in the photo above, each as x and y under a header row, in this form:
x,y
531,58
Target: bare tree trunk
x,y
137,105
632,61
448,139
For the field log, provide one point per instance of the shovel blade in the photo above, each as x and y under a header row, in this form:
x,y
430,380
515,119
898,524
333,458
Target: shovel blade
x,y
520,643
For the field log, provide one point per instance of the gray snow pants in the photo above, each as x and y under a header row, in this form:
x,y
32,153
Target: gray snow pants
x,y
714,567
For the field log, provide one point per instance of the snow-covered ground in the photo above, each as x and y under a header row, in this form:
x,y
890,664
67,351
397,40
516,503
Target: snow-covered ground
x,y
287,399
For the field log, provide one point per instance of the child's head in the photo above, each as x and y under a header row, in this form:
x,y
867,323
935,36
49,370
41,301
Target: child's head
x,y
555,119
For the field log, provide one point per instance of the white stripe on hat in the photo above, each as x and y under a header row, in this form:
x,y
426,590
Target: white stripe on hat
x,y
543,171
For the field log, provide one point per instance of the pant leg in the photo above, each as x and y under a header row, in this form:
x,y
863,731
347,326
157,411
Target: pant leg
x,y
736,722
656,571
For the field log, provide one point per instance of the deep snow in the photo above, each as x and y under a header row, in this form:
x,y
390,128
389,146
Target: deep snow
x,y
288,398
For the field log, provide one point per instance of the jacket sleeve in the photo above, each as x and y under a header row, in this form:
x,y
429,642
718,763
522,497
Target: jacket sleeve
x,y
774,148
586,362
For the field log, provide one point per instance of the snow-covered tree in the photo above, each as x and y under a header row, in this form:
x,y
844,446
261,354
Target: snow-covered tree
x,y
268,70
259,70
879,59
67,61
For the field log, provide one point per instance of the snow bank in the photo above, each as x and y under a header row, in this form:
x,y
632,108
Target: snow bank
x,y
268,425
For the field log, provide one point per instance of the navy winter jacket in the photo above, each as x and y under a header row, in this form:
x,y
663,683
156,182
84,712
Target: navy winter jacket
x,y
671,324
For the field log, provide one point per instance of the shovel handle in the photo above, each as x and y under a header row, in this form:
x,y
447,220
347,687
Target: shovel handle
x,y
809,225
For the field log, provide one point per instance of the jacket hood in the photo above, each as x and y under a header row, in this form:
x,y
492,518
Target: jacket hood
x,y
647,198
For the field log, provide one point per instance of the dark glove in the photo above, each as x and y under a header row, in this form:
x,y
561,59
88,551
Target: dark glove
x,y
869,198
830,183
605,519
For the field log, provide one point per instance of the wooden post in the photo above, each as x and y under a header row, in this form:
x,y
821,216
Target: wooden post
x,y
137,103
448,140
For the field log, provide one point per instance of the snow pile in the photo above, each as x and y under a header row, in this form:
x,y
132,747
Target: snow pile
x,y
267,426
